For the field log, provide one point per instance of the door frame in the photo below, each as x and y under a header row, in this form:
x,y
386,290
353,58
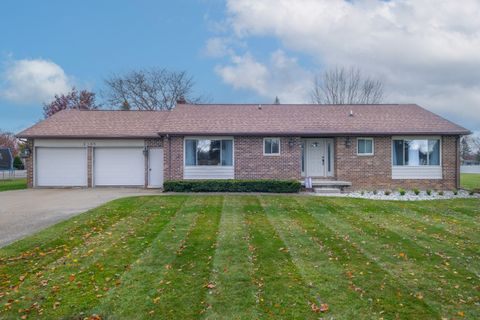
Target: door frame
x,y
329,151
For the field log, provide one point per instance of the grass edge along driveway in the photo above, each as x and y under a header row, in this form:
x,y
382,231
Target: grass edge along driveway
x,y
244,257
17,184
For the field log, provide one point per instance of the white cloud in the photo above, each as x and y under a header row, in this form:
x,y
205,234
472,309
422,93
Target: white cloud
x,y
33,81
281,76
426,51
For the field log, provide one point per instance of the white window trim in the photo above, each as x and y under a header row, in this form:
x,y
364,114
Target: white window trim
x,y
279,146
208,138
440,150
373,147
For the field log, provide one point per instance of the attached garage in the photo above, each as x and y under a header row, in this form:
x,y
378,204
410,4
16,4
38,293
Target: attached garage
x,y
61,167
116,166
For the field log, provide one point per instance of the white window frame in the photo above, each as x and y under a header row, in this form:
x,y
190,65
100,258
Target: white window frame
x,y
440,150
208,138
279,146
373,147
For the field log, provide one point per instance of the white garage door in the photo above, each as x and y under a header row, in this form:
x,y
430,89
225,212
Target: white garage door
x,y
61,167
119,167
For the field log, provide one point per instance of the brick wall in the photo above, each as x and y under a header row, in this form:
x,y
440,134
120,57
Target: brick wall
x,y
250,163
173,158
375,172
29,163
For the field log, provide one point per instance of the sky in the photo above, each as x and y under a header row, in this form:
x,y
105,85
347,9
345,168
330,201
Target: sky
x,y
242,51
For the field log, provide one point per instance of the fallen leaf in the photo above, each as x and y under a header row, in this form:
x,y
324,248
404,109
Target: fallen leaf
x,y
56,305
461,314
210,286
155,300
71,278
323,307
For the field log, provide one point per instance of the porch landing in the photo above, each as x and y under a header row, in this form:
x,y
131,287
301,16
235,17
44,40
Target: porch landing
x,y
321,185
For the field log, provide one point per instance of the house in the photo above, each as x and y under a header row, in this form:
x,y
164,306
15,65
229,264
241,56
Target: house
x,y
368,146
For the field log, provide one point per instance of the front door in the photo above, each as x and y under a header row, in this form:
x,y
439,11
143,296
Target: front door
x,y
319,157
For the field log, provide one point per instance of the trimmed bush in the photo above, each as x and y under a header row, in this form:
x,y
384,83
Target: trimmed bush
x,y
429,192
402,192
387,192
416,191
274,186
440,193
455,192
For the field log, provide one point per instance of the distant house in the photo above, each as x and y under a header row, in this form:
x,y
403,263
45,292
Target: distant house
x,y
365,146
470,160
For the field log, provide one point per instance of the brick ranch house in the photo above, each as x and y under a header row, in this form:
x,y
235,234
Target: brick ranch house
x,y
367,146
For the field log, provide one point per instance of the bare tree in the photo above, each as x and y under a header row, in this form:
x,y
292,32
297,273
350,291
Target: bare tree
x,y
149,89
346,86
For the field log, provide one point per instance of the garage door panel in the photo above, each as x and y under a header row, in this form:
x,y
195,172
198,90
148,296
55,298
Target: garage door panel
x,y
119,167
61,167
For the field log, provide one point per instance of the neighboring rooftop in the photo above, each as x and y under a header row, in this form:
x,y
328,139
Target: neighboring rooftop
x,y
98,124
241,119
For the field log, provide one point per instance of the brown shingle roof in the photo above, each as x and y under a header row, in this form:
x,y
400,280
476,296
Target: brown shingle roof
x,y
306,120
98,124
284,119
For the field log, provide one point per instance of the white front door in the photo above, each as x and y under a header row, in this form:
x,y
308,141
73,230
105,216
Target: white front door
x,y
61,167
319,157
155,167
118,166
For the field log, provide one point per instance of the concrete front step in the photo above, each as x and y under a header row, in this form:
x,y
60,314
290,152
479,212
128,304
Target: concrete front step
x,y
327,190
330,183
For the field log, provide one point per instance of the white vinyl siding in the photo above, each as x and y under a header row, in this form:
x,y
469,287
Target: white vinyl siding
x,y
208,172
420,172
60,167
118,167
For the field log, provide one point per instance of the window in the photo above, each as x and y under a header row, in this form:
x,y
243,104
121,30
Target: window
x,y
206,152
416,152
271,146
365,146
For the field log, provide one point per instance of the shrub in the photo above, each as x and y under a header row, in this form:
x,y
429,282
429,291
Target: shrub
x,y
429,192
18,164
402,192
362,192
277,186
455,192
387,192
471,193
375,192
416,191
440,193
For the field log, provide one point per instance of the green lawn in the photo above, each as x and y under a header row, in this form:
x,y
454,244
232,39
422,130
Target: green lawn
x,y
248,257
6,185
470,181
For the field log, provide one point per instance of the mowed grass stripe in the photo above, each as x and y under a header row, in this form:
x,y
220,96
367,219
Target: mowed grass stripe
x,y
419,238
181,292
424,219
233,296
281,290
86,273
388,297
49,245
137,290
401,257
324,275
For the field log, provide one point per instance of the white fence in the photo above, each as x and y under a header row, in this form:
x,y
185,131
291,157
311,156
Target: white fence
x,y
470,169
13,174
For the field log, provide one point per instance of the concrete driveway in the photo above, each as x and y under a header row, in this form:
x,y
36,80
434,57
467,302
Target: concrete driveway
x,y
22,212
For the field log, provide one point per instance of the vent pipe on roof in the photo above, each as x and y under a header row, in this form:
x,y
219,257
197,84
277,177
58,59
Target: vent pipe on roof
x,y
259,107
181,100
351,113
